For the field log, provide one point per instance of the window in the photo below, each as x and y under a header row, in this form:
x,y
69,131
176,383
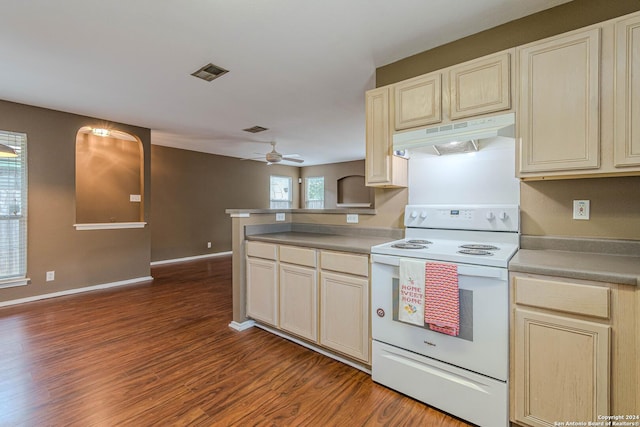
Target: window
x,y
280,192
314,192
13,211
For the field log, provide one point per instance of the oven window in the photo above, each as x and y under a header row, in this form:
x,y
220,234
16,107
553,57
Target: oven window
x,y
466,311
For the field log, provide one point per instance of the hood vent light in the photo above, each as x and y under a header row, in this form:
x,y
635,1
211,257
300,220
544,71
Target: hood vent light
x,y
255,129
456,147
209,72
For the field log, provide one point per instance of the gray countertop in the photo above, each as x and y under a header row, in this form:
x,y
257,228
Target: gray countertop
x,y
357,244
601,267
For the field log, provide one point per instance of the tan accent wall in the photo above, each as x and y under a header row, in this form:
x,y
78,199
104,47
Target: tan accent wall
x,y
108,172
332,173
191,191
547,207
560,19
79,258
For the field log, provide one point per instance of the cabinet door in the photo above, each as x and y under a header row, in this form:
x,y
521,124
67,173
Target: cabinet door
x,y
262,290
559,103
299,301
561,369
627,96
344,314
378,137
480,87
418,101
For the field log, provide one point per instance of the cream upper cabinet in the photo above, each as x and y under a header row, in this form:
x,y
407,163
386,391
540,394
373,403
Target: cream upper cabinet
x,y
418,101
627,95
481,86
559,103
383,169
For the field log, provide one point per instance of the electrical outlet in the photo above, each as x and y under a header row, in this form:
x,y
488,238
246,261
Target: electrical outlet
x,y
51,276
135,198
581,209
280,216
208,245
352,218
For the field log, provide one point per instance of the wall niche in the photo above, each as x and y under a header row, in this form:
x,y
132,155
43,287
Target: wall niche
x,y
352,192
109,179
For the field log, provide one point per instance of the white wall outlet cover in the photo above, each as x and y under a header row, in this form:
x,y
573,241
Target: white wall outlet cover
x,y
51,276
581,209
209,245
280,216
135,198
352,218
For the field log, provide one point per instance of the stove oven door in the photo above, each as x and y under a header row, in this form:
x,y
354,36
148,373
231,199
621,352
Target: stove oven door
x,y
482,345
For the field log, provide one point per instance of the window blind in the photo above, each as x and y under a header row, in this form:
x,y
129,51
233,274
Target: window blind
x,y
13,209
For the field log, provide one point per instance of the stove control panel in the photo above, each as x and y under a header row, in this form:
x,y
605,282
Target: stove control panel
x,y
464,217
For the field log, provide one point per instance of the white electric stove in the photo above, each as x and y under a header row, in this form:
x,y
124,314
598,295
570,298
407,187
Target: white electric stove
x,y
465,375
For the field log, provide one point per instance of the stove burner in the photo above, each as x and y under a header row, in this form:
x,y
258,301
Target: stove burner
x,y
407,246
419,241
480,246
474,252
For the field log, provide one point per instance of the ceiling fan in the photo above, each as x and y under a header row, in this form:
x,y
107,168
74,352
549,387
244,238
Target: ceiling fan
x,y
274,157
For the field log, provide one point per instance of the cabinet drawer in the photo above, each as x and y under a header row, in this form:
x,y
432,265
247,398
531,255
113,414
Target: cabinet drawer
x,y
345,263
561,296
299,256
262,250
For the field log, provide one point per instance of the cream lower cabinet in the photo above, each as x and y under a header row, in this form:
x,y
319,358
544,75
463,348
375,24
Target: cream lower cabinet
x,y
319,296
574,349
299,292
344,304
262,289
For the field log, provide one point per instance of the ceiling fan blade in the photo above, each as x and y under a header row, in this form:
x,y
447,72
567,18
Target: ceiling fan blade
x,y
289,159
253,158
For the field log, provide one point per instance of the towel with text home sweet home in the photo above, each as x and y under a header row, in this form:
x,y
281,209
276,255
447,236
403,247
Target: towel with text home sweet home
x,y
442,298
411,292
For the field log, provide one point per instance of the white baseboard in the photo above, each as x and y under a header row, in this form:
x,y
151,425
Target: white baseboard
x,y
242,326
76,291
190,258
315,348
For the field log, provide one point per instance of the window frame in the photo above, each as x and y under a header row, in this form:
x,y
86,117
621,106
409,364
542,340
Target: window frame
x,y
17,141
307,200
274,203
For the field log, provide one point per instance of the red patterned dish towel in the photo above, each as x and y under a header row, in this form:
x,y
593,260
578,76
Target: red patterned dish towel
x,y
442,305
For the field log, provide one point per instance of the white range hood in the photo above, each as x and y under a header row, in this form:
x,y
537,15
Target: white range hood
x,y
471,130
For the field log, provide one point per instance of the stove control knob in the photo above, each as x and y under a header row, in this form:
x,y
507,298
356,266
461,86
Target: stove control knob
x,y
490,216
414,214
503,215
423,215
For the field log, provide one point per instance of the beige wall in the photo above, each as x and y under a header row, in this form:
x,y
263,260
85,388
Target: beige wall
x,y
79,258
191,191
332,173
566,17
546,206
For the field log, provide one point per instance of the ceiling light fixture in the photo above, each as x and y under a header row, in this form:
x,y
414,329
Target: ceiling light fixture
x,y
6,151
209,72
101,132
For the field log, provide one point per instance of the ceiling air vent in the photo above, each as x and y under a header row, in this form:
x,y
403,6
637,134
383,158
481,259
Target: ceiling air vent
x,y
255,129
209,72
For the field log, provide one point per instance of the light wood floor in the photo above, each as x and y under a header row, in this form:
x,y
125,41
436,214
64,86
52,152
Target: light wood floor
x,y
162,354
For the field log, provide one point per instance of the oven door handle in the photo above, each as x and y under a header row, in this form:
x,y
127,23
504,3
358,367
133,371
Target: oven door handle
x,y
463,269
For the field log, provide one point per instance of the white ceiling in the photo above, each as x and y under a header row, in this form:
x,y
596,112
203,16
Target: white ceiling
x,y
299,68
